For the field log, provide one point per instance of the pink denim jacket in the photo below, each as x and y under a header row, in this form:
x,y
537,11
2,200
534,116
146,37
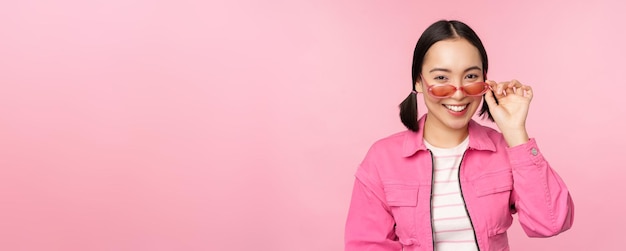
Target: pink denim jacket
x,y
390,207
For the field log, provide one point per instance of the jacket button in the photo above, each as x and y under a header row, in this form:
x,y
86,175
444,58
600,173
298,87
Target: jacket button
x,y
533,151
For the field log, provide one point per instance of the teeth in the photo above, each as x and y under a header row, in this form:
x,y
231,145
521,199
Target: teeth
x,y
456,108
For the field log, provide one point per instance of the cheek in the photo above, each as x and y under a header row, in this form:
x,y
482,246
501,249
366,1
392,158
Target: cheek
x,y
430,102
476,102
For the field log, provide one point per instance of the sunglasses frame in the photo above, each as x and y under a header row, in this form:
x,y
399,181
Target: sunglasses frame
x,y
430,87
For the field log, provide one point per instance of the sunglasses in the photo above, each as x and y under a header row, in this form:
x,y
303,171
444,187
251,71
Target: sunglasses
x,y
447,90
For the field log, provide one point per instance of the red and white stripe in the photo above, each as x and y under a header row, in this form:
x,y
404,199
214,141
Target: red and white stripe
x,y
451,224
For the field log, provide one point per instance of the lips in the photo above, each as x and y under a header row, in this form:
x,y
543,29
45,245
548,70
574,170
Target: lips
x,y
456,108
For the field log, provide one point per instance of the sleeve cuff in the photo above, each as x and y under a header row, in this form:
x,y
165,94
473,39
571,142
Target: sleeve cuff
x,y
525,154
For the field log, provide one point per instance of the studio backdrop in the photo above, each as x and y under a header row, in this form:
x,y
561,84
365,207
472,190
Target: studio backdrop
x,y
239,125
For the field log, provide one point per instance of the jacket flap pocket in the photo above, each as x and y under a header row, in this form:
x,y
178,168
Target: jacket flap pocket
x,y
401,195
493,183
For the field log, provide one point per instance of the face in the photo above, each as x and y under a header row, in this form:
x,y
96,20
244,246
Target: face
x,y
455,62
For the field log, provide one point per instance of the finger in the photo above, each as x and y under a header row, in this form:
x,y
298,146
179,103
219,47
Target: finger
x,y
491,100
509,89
500,88
515,83
492,84
528,92
513,87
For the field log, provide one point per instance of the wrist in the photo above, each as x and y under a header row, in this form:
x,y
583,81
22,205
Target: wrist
x,y
515,137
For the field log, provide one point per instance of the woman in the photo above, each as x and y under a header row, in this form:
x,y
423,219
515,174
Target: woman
x,y
448,183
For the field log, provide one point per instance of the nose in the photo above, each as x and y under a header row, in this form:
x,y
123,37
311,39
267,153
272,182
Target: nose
x,y
458,94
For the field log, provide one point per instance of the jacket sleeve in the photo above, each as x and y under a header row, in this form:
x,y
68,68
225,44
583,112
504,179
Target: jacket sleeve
x,y
370,225
539,195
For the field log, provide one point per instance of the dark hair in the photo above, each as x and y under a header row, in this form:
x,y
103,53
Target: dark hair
x,y
436,32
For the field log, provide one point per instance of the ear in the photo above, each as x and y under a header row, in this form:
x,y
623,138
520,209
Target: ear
x,y
418,86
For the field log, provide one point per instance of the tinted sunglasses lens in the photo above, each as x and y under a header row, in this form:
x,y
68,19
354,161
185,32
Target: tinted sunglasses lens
x,y
442,90
475,89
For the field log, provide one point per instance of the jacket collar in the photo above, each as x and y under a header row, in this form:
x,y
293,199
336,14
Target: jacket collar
x,y
478,138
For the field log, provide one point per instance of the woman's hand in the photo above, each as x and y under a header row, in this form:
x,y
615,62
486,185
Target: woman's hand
x,y
511,109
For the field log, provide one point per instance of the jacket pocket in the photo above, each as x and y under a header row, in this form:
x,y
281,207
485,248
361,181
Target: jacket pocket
x,y
493,193
401,195
402,201
493,183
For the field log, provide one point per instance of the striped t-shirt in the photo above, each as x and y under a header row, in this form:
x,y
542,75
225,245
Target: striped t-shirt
x,y
452,228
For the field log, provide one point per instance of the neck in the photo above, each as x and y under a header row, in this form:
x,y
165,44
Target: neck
x,y
442,136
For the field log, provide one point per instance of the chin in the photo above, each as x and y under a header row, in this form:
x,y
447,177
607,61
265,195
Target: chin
x,y
458,125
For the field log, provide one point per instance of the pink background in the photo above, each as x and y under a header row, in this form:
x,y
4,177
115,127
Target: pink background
x,y
238,125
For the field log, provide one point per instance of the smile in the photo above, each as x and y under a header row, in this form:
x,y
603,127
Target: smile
x,y
456,108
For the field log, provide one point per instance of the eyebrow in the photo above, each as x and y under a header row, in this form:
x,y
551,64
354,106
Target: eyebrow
x,y
448,70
